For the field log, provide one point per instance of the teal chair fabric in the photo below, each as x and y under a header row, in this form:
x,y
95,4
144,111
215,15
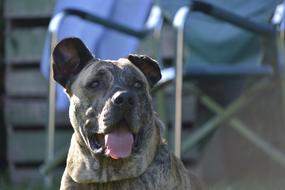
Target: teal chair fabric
x,y
212,41
223,52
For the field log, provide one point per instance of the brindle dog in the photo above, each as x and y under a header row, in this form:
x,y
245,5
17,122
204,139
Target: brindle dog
x,y
117,141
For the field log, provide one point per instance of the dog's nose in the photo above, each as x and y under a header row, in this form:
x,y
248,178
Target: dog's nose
x,y
123,98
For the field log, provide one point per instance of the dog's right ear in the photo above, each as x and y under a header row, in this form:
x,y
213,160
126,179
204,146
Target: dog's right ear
x,y
70,56
148,66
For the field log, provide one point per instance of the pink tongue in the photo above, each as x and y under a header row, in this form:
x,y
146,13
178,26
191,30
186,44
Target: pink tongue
x,y
119,143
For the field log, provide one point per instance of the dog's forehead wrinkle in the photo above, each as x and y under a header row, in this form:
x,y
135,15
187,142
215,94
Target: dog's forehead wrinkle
x,y
121,70
97,64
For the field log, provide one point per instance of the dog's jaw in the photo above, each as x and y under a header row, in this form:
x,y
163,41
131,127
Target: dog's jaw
x,y
85,168
97,167
117,141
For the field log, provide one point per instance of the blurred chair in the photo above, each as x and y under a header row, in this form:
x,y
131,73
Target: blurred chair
x,y
225,47
109,31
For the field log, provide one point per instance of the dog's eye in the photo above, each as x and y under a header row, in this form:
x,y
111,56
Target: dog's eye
x,y
94,84
138,84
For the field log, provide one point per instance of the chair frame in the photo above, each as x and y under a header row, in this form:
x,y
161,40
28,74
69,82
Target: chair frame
x,y
223,114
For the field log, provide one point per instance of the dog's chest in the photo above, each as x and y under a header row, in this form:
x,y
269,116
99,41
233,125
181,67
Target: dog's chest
x,y
139,184
122,185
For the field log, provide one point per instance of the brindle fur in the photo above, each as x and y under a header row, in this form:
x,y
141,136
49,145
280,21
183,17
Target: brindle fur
x,y
151,165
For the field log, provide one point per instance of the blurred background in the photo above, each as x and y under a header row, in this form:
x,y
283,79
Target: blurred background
x,y
232,115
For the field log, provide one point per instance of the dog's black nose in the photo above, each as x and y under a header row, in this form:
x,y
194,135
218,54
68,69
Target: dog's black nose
x,y
123,98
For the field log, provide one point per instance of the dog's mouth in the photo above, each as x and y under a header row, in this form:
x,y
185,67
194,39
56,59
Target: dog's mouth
x,y
116,143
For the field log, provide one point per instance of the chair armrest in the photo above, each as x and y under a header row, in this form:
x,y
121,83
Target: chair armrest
x,y
152,22
222,14
279,16
203,71
242,22
235,70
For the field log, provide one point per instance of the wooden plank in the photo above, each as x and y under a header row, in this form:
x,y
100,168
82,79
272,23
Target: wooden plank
x,y
26,82
29,112
25,45
31,176
25,112
28,8
30,145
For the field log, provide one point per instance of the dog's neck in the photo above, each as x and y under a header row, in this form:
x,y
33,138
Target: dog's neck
x,y
84,168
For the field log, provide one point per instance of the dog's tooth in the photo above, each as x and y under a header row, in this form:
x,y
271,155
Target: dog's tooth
x,y
107,152
99,150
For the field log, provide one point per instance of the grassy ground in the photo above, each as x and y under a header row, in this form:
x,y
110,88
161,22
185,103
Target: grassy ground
x,y
6,184
9,186
245,184
253,183
25,187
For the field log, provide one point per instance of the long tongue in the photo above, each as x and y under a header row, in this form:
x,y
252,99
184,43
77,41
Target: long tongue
x,y
119,143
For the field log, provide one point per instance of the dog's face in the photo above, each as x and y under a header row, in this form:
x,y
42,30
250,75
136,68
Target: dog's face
x,y
110,104
106,109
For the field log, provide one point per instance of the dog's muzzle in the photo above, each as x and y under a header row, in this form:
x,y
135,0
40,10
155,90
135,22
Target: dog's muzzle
x,y
117,138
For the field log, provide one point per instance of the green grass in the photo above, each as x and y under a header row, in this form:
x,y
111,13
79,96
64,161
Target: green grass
x,y
6,184
254,184
25,186
248,183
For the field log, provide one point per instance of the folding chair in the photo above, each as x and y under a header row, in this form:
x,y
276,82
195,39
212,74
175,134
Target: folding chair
x,y
263,73
83,11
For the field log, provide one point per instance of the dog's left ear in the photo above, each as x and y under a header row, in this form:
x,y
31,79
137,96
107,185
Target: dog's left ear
x,y
148,66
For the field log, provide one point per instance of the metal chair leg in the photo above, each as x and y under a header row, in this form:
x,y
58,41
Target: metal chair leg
x,y
254,138
179,22
51,115
53,30
212,124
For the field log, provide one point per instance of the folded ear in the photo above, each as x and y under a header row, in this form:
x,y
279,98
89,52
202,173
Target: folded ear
x,y
70,56
148,66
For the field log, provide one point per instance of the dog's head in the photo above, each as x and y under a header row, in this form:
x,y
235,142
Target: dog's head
x,y
110,110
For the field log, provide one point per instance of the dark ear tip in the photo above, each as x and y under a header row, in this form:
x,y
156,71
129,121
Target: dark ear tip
x,y
131,56
134,57
140,57
68,41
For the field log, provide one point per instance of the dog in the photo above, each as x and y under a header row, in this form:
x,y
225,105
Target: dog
x,y
117,141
